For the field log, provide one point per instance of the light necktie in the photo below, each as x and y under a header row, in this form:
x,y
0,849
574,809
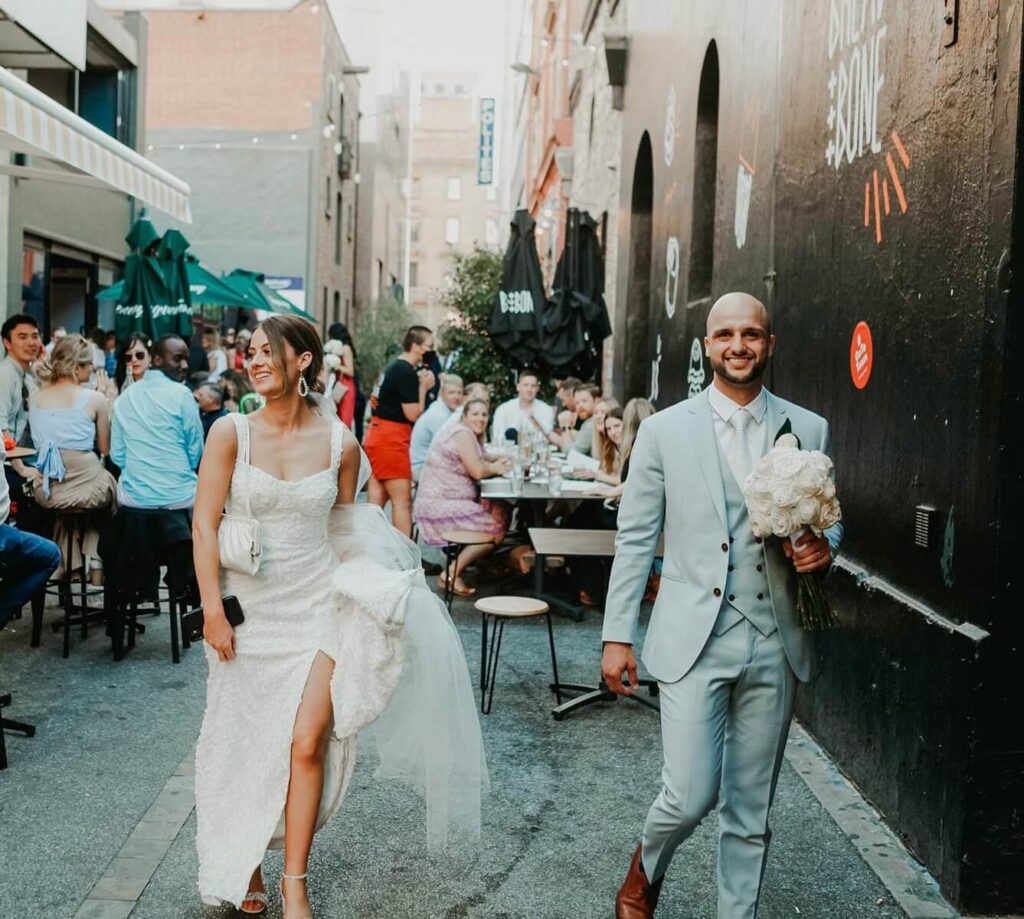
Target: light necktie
x,y
740,459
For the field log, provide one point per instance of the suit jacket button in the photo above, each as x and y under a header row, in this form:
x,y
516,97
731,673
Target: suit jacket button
x,y
760,567
717,592
760,596
732,567
731,539
725,547
732,597
758,539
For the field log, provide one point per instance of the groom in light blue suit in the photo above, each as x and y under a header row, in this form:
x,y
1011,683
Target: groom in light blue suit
x,y
724,640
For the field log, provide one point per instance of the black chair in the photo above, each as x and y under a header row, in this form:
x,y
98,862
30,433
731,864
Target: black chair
x,y
75,522
137,545
6,724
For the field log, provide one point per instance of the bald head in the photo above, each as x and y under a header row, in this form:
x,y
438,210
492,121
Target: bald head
x,y
738,344
738,307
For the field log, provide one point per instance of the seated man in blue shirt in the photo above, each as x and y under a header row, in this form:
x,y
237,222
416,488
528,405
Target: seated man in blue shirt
x,y
156,435
431,421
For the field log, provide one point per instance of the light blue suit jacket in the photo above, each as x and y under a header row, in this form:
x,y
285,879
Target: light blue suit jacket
x,y
675,484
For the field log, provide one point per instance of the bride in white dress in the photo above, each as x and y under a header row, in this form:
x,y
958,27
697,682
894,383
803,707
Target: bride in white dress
x,y
340,632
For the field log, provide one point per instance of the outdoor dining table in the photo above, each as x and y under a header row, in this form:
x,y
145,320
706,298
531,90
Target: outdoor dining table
x,y
20,453
534,496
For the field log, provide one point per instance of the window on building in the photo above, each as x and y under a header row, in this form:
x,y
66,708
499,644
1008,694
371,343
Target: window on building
x,y
460,89
379,278
417,187
451,231
328,199
439,88
454,189
492,192
414,231
414,274
351,222
337,307
702,233
590,129
338,215
323,312
491,233
332,89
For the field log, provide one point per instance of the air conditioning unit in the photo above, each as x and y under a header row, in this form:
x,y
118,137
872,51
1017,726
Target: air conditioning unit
x,y
345,164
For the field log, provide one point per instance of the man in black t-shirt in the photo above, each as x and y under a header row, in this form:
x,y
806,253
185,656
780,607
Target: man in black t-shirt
x,y
397,401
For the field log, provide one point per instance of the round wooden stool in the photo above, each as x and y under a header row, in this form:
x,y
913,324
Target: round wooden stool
x,y
501,610
455,542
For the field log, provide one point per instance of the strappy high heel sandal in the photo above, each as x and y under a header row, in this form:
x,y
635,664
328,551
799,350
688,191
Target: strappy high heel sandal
x,y
254,896
291,877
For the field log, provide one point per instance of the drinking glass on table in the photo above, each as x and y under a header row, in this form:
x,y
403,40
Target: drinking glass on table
x,y
555,477
515,478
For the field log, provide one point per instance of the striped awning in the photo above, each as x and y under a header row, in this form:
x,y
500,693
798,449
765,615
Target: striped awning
x,y
33,124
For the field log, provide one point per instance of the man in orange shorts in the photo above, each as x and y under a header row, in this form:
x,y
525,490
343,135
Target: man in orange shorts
x,y
397,401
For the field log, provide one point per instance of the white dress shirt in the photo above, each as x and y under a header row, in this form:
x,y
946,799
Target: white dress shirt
x,y
742,446
512,415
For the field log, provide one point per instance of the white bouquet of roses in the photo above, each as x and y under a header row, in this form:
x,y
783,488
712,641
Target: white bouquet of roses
x,y
790,492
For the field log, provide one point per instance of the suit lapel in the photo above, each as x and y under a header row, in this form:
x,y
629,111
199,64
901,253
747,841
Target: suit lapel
x,y
706,447
776,417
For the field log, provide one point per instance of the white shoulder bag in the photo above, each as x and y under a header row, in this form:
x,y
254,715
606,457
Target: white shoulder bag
x,y
238,538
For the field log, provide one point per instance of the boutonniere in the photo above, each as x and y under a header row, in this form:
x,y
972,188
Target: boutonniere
x,y
787,428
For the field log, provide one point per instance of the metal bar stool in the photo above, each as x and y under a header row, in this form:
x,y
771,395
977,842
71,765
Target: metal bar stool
x,y
79,613
455,542
501,610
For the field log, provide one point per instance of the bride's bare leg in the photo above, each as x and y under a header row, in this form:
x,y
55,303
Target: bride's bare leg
x,y
312,731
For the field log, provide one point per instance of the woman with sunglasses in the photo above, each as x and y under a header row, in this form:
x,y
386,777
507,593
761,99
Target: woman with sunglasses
x,y
133,361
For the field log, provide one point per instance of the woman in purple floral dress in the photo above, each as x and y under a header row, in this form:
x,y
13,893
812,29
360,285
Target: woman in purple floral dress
x,y
448,497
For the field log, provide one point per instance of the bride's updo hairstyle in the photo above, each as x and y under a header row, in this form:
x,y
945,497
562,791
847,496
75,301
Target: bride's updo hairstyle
x,y
70,353
302,335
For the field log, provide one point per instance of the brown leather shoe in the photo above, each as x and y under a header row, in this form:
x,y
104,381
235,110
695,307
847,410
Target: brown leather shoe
x,y
637,897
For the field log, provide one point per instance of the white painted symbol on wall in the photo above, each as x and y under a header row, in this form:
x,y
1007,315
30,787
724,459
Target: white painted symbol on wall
x,y
671,275
655,371
744,186
670,126
695,374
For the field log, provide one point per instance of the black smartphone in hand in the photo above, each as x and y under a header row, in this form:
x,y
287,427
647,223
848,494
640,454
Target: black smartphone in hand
x,y
192,621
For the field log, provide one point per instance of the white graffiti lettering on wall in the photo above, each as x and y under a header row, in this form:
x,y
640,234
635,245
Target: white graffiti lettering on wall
x,y
695,374
856,31
655,371
671,275
516,301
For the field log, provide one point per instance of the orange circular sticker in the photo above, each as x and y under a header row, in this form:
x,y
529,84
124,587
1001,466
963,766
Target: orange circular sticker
x,y
862,355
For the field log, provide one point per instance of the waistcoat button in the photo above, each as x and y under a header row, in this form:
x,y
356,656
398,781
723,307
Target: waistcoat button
x,y
725,547
760,567
717,592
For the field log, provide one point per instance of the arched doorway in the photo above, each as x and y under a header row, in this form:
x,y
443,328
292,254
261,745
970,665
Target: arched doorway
x,y
705,182
637,351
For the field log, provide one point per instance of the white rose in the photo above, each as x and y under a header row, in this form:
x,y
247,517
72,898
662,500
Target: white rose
x,y
788,442
829,514
786,463
784,494
806,511
808,479
781,523
828,489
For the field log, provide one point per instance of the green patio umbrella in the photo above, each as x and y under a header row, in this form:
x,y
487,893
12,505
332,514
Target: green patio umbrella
x,y
144,303
205,286
260,296
170,253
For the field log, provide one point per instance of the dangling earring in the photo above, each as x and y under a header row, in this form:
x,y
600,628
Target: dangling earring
x,y
303,386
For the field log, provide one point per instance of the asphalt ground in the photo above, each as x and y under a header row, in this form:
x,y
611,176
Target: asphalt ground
x,y
566,807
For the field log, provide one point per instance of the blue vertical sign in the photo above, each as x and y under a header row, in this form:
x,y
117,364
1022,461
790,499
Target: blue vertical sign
x,y
485,155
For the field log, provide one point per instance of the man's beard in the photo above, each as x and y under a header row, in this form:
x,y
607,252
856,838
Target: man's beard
x,y
756,371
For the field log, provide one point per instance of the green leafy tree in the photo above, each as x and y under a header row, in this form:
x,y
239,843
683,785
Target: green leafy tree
x,y
475,279
378,332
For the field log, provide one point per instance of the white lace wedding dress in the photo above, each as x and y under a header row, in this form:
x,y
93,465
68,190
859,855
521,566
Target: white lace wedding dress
x,y
342,581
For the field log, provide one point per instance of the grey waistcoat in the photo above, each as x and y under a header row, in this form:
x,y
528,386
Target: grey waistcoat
x,y
746,585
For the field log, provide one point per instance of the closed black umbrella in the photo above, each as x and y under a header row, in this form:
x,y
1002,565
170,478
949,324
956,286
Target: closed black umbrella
x,y
515,325
576,322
